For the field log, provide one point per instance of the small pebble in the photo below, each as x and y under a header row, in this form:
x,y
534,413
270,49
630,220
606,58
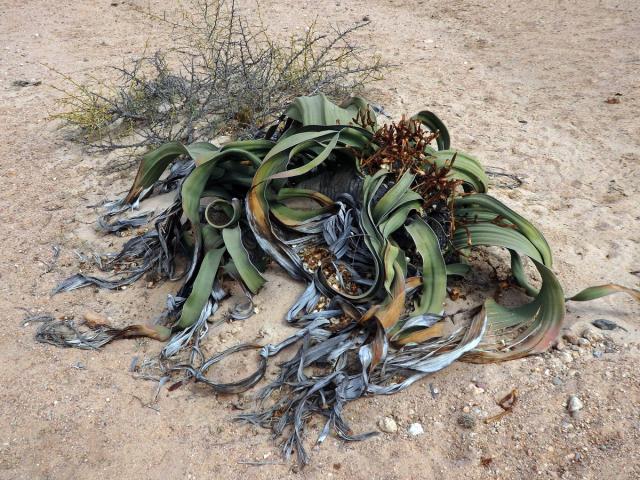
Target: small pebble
x,y
574,404
572,338
226,336
583,342
474,389
565,357
435,391
467,420
597,353
415,429
591,335
557,381
388,425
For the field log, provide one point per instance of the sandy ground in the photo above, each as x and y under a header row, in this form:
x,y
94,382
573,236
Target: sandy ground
x,y
522,85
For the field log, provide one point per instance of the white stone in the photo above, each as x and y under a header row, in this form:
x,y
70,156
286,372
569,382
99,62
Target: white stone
x,y
415,429
388,425
574,404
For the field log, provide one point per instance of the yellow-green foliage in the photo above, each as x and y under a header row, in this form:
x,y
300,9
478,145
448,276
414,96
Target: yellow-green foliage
x,y
222,73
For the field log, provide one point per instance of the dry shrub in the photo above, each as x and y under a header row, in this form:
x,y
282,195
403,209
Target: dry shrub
x,y
223,73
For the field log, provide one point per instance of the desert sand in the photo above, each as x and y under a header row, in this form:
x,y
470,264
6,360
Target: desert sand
x,y
523,85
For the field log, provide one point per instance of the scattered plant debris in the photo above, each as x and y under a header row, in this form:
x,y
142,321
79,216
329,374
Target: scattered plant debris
x,y
604,324
506,403
486,461
26,83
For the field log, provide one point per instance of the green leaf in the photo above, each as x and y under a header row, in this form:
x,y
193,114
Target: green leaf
x,y
202,286
434,124
152,166
517,269
490,234
202,152
248,273
194,186
288,193
292,141
231,209
294,217
489,203
259,147
212,238
390,254
531,328
397,218
321,157
463,167
397,195
476,214
458,269
318,110
434,272
600,291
